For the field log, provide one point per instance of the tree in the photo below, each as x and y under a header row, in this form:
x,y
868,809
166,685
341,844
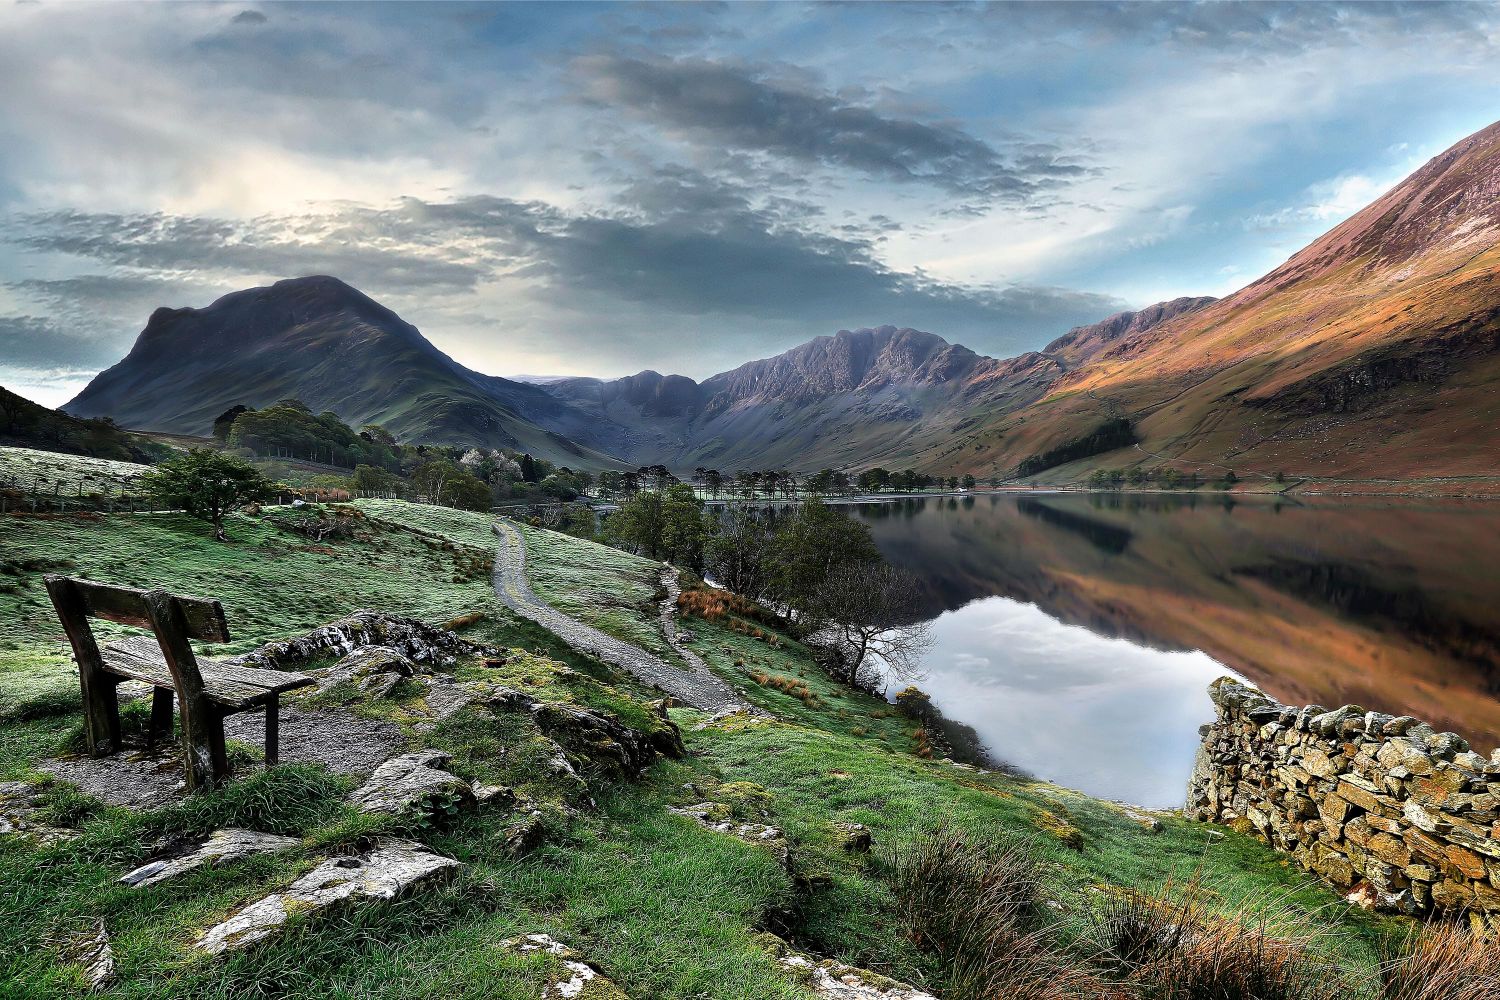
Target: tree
x,y
662,524
368,479
528,469
225,420
816,539
736,555
207,484
442,480
874,612
967,481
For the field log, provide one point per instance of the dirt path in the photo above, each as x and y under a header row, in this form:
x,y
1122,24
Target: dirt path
x,y
698,687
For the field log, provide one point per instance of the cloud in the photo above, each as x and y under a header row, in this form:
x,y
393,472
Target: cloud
x,y
681,252
37,342
716,103
249,17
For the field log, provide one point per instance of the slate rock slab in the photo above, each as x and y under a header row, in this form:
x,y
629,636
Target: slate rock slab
x,y
222,846
392,867
92,951
408,782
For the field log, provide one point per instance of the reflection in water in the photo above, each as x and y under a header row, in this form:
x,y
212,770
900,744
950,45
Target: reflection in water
x,y
1077,633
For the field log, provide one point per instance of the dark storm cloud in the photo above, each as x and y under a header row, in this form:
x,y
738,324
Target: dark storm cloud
x,y
249,17
723,104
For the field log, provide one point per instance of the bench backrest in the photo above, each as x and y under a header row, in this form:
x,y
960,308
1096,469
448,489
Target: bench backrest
x,y
174,620
202,619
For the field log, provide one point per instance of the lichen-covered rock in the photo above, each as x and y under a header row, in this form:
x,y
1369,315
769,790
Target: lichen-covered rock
x,y
570,977
20,815
374,669
409,782
1402,817
854,837
92,951
392,867
417,641
830,978
594,735
718,817
221,846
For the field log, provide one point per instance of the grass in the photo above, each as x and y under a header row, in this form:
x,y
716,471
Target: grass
x,y
95,475
665,908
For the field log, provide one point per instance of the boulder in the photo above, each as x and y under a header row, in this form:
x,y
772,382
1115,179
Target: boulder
x,y
596,735
92,951
415,640
717,817
390,868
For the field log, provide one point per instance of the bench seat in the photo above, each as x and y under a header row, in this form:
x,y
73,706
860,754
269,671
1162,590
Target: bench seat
x,y
235,687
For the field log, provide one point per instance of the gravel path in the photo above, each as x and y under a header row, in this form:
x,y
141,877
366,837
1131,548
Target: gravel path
x,y
698,687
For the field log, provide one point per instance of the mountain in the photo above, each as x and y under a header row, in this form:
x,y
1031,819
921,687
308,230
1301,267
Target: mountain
x,y
1373,353
333,347
25,424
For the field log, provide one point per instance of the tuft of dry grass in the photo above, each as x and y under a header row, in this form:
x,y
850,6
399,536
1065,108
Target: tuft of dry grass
x,y
976,903
793,686
1441,962
1170,946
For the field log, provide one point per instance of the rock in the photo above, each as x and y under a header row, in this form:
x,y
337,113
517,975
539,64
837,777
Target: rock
x,y
716,816
854,837
487,795
571,977
833,979
222,845
92,951
595,735
411,781
418,642
729,717
392,867
20,804
527,835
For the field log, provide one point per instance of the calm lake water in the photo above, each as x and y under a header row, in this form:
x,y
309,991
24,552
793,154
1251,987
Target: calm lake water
x,y
1077,633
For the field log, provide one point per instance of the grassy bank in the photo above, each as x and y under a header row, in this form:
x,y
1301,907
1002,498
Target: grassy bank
x,y
663,907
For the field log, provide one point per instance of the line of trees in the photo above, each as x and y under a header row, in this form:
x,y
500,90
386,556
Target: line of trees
x,y
770,484
816,567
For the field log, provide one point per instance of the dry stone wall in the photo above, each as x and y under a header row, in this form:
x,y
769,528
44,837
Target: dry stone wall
x,y
1406,819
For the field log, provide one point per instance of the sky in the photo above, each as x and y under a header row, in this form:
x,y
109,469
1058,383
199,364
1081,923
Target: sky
x,y
599,189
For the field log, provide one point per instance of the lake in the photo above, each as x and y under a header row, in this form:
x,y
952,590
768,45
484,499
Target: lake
x,y
1077,633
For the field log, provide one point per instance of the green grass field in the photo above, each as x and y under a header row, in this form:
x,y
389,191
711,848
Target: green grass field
x,y
26,466
665,908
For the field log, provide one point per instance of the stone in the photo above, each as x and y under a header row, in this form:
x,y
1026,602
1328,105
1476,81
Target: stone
x,y
91,949
390,868
20,804
222,846
595,735
854,837
835,980
527,835
492,795
417,641
570,977
1360,792
716,816
411,781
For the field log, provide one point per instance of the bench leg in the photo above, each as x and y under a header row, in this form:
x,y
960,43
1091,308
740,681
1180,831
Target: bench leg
x,y
206,757
273,732
161,716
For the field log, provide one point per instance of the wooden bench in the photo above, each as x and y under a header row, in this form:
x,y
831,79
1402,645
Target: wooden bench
x,y
206,691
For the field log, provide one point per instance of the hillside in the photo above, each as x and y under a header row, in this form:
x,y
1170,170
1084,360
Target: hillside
x,y
656,903
1372,353
30,425
333,347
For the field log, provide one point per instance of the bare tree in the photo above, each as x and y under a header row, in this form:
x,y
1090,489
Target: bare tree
x,y
871,614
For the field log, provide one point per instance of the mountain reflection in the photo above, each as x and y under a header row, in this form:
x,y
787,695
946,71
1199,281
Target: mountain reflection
x,y
1392,606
